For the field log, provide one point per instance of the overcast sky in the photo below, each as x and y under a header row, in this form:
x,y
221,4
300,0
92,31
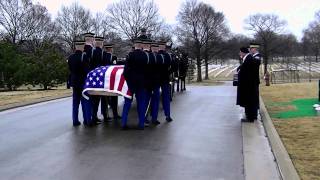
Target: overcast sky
x,y
298,13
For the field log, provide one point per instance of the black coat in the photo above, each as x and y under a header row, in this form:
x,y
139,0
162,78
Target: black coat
x,y
152,72
248,86
79,67
164,68
183,67
107,59
96,60
134,70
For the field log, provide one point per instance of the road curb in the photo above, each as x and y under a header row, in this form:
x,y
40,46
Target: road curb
x,y
36,101
286,168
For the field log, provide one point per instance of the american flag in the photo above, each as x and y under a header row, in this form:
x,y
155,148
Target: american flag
x,y
107,81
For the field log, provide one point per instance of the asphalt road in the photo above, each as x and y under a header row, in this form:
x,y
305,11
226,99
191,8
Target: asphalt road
x,y
204,142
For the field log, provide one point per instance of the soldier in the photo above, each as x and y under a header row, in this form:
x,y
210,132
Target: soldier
x,y
247,84
173,68
257,57
112,100
79,68
89,46
165,80
153,94
183,69
135,77
96,61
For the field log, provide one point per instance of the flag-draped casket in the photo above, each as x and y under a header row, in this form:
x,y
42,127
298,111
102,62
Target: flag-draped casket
x,y
106,81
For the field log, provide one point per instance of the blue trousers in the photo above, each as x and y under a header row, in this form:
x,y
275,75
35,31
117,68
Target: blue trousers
x,y
165,88
85,104
125,111
154,96
141,108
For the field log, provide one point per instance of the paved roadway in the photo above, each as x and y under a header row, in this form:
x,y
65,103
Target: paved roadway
x,y
204,142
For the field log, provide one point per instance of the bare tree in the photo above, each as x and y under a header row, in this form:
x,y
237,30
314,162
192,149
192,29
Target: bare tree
x,y
190,27
128,17
311,36
201,25
265,28
22,20
164,33
215,30
72,22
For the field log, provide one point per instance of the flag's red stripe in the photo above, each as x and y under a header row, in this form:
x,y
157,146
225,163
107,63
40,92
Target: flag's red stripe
x,y
113,77
121,83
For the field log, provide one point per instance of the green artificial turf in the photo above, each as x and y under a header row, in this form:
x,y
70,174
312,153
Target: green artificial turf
x,y
304,108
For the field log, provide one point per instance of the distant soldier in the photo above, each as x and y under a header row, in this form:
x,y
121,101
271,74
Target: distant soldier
x,y
79,68
247,85
257,57
183,69
165,80
96,61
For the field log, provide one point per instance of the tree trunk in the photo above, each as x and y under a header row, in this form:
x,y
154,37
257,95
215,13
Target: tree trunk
x,y
207,69
206,64
199,74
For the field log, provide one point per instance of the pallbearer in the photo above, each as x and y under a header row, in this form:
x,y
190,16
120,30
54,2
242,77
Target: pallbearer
x,y
79,67
153,94
111,60
89,46
135,77
165,80
96,61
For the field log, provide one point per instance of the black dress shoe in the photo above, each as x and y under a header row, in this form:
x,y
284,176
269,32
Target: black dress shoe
x,y
140,128
147,123
76,124
247,120
169,119
155,122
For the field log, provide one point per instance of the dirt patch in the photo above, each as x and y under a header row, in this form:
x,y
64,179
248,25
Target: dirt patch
x,y
301,138
15,97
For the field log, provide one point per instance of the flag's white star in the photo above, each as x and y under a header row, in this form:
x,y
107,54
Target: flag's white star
x,y
90,78
94,74
100,83
97,78
99,70
94,83
104,68
101,74
87,83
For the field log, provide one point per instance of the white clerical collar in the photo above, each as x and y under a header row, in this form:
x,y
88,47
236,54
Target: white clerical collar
x,y
244,58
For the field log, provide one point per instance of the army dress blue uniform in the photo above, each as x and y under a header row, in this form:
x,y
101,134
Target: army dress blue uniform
x,y
96,62
79,67
153,95
110,60
165,83
134,74
257,62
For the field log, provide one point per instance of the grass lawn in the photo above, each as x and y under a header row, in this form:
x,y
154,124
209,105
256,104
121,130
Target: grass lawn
x,y
298,128
8,98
